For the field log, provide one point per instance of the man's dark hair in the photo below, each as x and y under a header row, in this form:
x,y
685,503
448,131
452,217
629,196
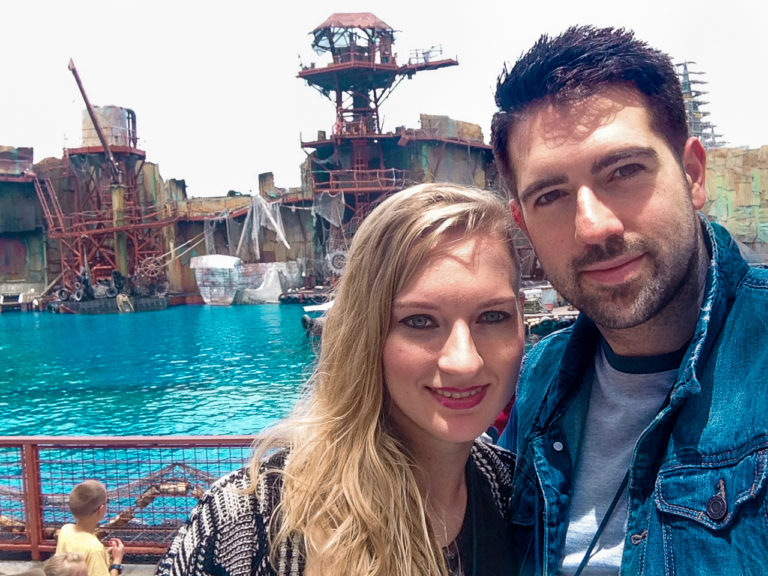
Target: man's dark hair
x,y
577,64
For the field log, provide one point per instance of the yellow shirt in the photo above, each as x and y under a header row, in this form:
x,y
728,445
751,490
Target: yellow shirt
x,y
96,556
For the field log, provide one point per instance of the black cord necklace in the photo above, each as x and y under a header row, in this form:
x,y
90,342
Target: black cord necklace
x,y
603,524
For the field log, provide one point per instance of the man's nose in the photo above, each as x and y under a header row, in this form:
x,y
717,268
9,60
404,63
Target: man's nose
x,y
596,221
459,354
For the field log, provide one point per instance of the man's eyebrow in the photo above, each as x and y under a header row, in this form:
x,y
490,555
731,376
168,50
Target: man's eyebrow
x,y
537,185
635,151
605,161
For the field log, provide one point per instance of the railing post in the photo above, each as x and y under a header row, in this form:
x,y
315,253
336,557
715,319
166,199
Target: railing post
x,y
32,497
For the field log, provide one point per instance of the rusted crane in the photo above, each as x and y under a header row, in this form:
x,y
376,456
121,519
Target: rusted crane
x,y
107,224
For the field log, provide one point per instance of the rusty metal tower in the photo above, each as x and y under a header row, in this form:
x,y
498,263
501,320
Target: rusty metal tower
x,y
104,222
358,161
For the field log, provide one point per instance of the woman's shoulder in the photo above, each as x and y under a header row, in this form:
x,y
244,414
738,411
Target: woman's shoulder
x,y
227,530
238,492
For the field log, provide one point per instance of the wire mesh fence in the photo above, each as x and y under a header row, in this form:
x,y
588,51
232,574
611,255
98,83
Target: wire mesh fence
x,y
152,484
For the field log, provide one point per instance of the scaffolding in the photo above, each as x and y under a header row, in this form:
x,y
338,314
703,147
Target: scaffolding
x,y
696,116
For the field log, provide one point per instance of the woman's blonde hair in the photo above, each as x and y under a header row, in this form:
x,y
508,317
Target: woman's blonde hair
x,y
67,564
350,495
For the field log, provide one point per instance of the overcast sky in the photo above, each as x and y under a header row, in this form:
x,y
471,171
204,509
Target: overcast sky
x,y
215,90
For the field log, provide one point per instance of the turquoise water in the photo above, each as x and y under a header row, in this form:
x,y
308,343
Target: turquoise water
x,y
185,370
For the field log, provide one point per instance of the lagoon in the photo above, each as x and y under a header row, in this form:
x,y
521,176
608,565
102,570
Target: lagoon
x,y
184,370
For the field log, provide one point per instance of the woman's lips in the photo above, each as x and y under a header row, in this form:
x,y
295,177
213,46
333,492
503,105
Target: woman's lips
x,y
460,398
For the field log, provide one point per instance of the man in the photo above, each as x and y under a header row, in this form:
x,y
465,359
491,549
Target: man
x,y
642,430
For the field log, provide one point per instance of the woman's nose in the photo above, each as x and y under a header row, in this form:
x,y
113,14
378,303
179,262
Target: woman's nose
x,y
459,354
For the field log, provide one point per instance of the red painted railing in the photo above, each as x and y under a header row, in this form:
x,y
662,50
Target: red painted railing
x,y
359,181
152,482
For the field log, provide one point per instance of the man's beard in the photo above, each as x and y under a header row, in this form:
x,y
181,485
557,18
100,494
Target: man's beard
x,y
640,299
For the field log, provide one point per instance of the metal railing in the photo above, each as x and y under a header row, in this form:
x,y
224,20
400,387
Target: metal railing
x,y
351,181
153,482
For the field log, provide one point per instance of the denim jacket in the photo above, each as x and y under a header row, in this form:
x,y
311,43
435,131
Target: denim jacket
x,y
699,472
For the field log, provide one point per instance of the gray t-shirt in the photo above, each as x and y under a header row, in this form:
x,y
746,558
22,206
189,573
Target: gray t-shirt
x,y
626,395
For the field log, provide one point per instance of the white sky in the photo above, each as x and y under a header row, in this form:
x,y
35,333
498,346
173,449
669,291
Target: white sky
x,y
215,90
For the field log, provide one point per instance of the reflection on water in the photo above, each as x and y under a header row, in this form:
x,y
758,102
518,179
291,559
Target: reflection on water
x,y
185,370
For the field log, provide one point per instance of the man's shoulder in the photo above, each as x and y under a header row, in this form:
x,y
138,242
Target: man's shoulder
x,y
757,277
553,344
541,363
748,309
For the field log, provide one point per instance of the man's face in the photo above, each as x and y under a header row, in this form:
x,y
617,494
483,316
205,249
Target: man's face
x,y
607,206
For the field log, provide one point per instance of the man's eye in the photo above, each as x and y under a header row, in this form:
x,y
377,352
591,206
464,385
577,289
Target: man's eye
x,y
628,170
493,317
548,197
419,322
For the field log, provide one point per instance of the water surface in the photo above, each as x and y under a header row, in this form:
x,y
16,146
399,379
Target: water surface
x,y
185,370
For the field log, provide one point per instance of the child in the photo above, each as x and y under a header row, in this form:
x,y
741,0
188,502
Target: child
x,y
70,564
88,503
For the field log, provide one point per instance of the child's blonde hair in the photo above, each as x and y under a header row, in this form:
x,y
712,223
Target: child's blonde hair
x,y
68,564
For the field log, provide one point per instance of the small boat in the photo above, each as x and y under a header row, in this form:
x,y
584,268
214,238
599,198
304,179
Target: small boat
x,y
312,320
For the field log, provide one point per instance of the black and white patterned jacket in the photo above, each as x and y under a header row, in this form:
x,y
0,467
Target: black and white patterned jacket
x,y
226,533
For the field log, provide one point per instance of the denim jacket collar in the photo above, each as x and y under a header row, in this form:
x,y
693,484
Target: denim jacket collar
x,y
726,268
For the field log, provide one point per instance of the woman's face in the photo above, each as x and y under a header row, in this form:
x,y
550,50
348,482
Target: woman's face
x,y
455,341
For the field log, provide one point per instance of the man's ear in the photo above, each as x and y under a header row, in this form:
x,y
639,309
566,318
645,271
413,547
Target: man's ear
x,y
695,168
517,216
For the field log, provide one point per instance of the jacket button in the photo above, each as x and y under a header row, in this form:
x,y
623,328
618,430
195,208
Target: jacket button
x,y
558,446
717,508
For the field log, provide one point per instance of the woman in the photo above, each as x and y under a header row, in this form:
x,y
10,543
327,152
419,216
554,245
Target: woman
x,y
378,470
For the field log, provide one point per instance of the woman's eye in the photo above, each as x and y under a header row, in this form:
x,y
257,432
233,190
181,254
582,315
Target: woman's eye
x,y
493,317
418,321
